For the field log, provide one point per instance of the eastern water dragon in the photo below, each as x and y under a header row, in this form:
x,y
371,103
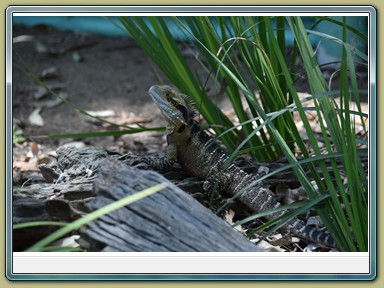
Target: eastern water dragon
x,y
200,156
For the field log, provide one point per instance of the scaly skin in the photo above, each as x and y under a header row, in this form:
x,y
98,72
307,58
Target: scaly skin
x,y
200,156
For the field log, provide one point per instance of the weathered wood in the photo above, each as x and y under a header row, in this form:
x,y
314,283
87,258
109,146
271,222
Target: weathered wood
x,y
169,220
69,186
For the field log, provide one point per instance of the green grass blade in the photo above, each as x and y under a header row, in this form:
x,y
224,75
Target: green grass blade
x,y
97,134
159,44
94,215
38,223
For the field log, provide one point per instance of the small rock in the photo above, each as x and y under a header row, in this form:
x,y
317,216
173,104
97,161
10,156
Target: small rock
x,y
76,57
40,47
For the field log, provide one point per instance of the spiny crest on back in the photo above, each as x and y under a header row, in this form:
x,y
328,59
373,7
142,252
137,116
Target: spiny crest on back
x,y
191,107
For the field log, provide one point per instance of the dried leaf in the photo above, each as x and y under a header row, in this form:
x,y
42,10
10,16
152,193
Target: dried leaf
x,y
50,72
25,166
41,91
34,149
75,144
102,113
52,102
267,247
228,217
40,47
35,118
70,241
23,38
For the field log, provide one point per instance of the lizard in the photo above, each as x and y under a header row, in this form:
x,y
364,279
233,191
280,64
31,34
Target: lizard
x,y
199,155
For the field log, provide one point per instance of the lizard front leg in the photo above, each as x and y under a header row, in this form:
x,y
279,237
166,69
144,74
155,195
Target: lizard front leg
x,y
156,163
214,184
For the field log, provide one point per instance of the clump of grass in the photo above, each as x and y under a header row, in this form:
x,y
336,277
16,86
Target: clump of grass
x,y
249,52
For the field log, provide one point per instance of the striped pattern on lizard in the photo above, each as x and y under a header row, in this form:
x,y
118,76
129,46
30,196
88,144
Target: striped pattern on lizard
x,y
200,156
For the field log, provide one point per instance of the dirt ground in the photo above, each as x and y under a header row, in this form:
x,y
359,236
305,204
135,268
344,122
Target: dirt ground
x,y
95,73
109,74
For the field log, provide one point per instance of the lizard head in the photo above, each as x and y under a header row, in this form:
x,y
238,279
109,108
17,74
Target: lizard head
x,y
176,107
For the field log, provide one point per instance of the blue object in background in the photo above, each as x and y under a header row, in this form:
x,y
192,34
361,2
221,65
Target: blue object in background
x,y
88,24
109,26
328,51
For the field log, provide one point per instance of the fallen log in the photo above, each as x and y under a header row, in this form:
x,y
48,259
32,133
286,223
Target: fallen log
x,y
170,220
85,179
69,185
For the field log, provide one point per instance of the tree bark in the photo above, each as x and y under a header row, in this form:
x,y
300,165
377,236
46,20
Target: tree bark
x,y
85,179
